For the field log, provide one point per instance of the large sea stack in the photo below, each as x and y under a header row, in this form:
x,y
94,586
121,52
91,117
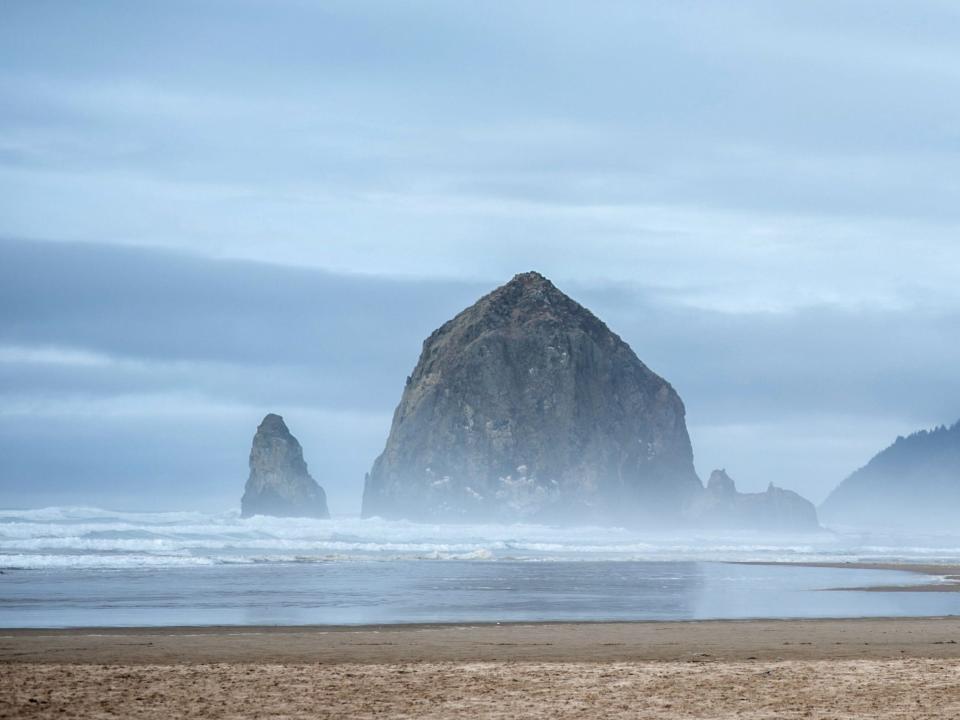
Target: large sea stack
x,y
279,483
525,406
914,484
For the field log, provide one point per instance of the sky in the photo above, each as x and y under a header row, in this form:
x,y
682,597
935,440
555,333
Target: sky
x,y
213,210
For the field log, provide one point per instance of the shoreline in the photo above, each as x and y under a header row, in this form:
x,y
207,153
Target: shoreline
x,y
948,572
883,668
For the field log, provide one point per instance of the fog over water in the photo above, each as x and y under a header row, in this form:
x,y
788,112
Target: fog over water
x,y
58,538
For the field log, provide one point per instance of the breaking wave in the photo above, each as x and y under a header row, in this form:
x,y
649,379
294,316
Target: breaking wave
x,y
79,537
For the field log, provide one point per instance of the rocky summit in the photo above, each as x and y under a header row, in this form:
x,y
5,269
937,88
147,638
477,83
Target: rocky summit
x,y
279,483
721,506
525,406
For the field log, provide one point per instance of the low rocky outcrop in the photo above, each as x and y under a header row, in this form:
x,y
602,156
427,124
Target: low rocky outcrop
x,y
721,506
914,484
279,483
525,406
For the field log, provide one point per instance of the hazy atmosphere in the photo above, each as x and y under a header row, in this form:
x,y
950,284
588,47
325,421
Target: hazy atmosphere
x,y
465,360
200,225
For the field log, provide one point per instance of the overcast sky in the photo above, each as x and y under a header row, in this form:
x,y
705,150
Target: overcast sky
x,y
212,210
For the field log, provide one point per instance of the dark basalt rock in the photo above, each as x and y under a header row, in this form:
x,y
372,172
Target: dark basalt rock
x,y
279,483
720,506
913,484
525,406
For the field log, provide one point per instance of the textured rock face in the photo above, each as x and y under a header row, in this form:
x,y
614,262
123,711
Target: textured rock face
x,y
913,484
525,406
776,510
279,483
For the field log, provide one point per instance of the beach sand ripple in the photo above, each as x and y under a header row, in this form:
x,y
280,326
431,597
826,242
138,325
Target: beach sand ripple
x,y
910,689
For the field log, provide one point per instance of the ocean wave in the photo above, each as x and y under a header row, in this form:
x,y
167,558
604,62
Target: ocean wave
x,y
79,537
98,562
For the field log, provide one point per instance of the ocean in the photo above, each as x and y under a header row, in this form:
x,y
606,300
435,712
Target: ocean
x,y
87,567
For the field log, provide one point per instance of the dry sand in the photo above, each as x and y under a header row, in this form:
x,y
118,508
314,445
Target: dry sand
x,y
897,668
908,689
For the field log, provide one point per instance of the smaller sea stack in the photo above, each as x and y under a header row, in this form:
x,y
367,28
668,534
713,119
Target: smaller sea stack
x,y
279,483
721,506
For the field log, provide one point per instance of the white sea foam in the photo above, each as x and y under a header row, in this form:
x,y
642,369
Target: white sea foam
x,y
79,537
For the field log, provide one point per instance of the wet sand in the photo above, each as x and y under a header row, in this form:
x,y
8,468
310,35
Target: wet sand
x,y
947,576
877,668
732,640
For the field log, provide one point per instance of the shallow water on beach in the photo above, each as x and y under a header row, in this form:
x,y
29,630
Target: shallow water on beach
x,y
404,591
88,567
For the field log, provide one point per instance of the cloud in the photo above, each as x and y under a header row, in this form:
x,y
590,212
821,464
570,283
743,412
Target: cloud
x,y
789,156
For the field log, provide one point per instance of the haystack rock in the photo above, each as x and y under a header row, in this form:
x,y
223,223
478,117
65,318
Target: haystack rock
x,y
525,406
776,510
279,483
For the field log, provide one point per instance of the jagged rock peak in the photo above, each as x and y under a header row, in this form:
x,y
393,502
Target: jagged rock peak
x,y
279,483
776,510
529,298
721,483
526,406
273,424
528,280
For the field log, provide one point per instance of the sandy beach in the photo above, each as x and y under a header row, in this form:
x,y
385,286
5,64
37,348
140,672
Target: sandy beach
x,y
878,668
906,668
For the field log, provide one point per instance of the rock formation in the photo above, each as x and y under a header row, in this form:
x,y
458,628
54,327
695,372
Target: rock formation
x,y
279,483
913,484
720,506
525,406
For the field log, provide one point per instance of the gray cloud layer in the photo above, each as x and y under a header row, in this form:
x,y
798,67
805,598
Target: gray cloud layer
x,y
746,155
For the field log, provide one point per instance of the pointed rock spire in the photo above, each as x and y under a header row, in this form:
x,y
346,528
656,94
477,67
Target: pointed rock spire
x,y
279,483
